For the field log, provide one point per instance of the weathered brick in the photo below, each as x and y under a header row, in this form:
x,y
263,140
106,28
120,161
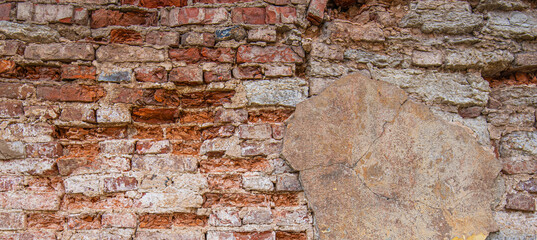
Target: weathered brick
x,y
183,133
283,92
70,93
219,73
151,74
188,75
189,219
99,133
53,13
40,73
525,61
316,11
45,221
141,234
270,54
220,235
256,216
521,202
153,147
221,1
115,75
44,150
291,235
42,112
103,18
84,221
16,90
30,132
279,71
198,39
231,115
225,218
182,16
30,201
529,185
89,185
236,200
61,52
218,131
72,72
248,15
164,163
222,182
120,184
81,202
156,4
223,55
113,114
11,109
220,146
248,72
9,47
213,165
162,38
155,115
5,10
128,36
10,183
126,53
44,184
280,15
121,220
12,221
84,113
236,33
186,147
156,221
176,201
206,99
11,150
278,131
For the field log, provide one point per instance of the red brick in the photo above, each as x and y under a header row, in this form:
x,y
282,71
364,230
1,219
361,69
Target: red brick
x,y
248,72
218,131
121,220
291,235
206,99
187,147
285,199
103,18
120,184
129,36
80,202
153,147
155,115
518,167
129,95
154,133
213,165
189,220
16,90
520,202
188,75
10,183
156,221
11,109
197,117
78,113
156,3
162,38
271,116
222,182
217,74
151,74
280,15
9,69
5,9
71,93
45,184
189,55
198,16
235,200
221,1
84,222
44,150
186,133
316,11
71,72
88,150
225,55
270,54
100,133
45,221
248,15
40,73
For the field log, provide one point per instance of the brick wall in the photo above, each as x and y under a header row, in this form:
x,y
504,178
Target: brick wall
x,y
164,119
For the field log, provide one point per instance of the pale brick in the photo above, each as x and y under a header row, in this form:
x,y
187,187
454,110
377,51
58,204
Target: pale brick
x,y
60,51
9,47
185,235
288,182
120,184
153,147
117,147
289,217
176,201
84,113
257,182
229,146
285,92
28,33
164,163
126,53
427,59
53,13
11,150
231,115
279,71
87,185
163,38
30,201
256,216
262,34
33,166
115,75
256,131
120,220
113,114
12,221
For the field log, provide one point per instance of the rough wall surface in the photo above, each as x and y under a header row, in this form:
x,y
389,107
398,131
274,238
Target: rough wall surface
x,y
164,119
